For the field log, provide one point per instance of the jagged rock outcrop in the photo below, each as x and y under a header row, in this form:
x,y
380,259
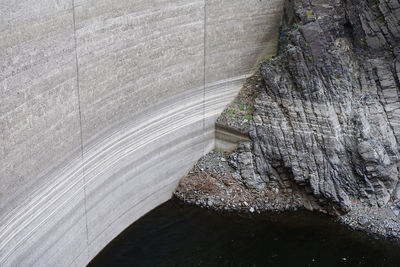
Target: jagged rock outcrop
x,y
328,118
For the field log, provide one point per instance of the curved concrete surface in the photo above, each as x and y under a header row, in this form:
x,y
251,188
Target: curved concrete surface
x,y
105,105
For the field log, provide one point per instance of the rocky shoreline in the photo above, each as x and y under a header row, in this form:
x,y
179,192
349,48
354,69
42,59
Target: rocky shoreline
x,y
211,185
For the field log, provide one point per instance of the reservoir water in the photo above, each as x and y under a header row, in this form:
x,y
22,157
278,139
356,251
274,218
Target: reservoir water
x,y
177,235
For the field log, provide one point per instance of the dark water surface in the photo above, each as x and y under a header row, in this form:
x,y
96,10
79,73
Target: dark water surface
x,y
174,235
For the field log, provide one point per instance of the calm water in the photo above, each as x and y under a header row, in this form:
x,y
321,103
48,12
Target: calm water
x,y
173,235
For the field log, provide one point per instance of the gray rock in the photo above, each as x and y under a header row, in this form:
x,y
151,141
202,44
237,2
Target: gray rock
x,y
364,222
327,119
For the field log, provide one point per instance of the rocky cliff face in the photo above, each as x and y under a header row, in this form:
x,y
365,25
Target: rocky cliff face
x,y
328,119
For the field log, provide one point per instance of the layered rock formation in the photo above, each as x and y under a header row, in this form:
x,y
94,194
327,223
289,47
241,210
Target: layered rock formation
x,y
328,119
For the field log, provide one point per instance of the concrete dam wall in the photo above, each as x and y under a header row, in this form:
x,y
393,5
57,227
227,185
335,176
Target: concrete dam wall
x,y
105,105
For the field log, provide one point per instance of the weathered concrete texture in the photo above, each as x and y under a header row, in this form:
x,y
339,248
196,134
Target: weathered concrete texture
x,y
39,102
240,37
105,105
136,54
